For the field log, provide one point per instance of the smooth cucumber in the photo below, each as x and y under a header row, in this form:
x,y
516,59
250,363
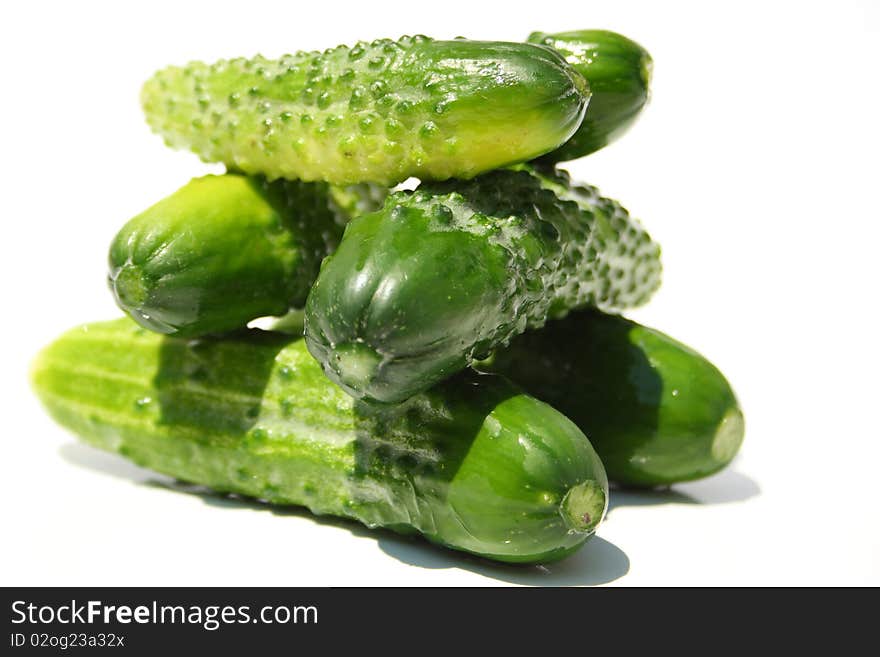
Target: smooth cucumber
x,y
618,71
656,411
224,250
473,464
380,111
444,274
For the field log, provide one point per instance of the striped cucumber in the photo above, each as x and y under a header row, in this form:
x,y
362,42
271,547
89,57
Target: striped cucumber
x,y
380,111
656,411
224,250
473,464
444,274
618,71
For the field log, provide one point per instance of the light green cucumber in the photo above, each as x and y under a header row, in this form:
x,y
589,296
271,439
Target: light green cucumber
x,y
382,111
473,464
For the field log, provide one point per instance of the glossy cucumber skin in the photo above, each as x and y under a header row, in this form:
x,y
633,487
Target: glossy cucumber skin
x,y
618,71
444,274
379,112
656,411
224,250
473,464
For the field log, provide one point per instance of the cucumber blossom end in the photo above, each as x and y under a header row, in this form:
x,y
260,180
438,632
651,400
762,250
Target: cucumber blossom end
x,y
729,436
584,506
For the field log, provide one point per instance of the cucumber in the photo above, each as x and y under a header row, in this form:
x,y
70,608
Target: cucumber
x,y
380,111
618,71
473,464
444,274
224,250
656,411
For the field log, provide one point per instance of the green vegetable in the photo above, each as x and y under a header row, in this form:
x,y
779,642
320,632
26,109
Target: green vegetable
x,y
473,464
224,250
619,74
440,276
380,111
656,411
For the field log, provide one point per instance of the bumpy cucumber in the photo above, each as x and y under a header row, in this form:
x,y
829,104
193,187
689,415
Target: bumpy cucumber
x,y
380,111
224,250
656,411
444,274
473,464
618,71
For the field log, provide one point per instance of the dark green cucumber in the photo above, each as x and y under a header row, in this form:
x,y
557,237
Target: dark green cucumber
x,y
473,464
656,411
618,71
224,250
380,111
444,274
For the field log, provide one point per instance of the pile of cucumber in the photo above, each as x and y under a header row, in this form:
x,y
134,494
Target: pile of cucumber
x,y
444,352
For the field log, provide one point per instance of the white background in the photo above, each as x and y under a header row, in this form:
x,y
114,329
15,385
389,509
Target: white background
x,y
755,166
